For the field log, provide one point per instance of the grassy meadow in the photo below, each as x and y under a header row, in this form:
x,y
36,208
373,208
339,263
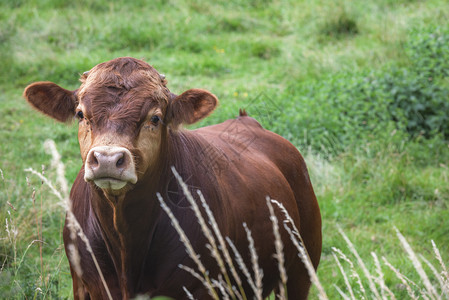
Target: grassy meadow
x,y
360,87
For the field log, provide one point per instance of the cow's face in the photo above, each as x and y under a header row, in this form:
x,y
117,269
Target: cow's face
x,y
123,108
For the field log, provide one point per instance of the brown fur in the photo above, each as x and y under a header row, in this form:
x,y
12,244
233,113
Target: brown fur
x,y
236,164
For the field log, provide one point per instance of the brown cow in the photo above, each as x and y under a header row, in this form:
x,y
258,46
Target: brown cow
x,y
130,136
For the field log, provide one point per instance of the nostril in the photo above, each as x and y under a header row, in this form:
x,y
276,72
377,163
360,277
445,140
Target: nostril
x,y
120,161
93,159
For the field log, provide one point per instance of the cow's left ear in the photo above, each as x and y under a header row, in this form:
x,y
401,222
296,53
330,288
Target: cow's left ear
x,y
190,107
51,100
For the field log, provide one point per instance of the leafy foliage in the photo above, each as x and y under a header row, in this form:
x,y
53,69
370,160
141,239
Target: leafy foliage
x,y
428,50
417,102
341,110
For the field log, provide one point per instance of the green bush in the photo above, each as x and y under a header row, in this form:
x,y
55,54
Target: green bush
x,y
428,50
418,92
418,102
347,109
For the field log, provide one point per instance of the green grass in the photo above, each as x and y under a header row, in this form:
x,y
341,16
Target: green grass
x,y
323,74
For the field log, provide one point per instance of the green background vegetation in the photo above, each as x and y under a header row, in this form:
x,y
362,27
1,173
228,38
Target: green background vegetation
x,y
360,87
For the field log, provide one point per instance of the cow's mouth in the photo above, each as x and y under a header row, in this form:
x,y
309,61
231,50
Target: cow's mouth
x,y
109,183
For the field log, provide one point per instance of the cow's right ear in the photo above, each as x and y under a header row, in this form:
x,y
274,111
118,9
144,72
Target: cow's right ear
x,y
190,107
51,100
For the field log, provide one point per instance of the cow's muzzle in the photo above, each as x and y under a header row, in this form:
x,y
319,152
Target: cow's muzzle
x,y
110,167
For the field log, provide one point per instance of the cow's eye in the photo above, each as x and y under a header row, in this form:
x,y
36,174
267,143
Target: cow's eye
x,y
155,120
80,115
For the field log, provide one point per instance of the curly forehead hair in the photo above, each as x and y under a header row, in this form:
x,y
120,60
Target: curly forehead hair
x,y
125,74
122,90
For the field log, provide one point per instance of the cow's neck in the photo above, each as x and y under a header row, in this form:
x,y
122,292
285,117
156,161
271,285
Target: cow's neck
x,y
129,221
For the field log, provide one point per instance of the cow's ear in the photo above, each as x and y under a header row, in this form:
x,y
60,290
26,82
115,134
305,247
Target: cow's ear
x,y
190,107
52,100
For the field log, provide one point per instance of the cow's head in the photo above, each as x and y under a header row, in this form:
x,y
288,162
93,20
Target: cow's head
x,y
124,109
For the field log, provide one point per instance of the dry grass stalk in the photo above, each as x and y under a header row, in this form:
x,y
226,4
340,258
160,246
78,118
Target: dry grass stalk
x,y
208,234
191,271
405,281
258,272
297,240
50,185
380,280
354,273
437,276
417,264
368,275
220,284
342,294
242,266
75,229
237,293
50,147
72,222
230,289
303,255
288,219
12,232
345,278
75,259
222,244
444,272
188,293
189,248
279,251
